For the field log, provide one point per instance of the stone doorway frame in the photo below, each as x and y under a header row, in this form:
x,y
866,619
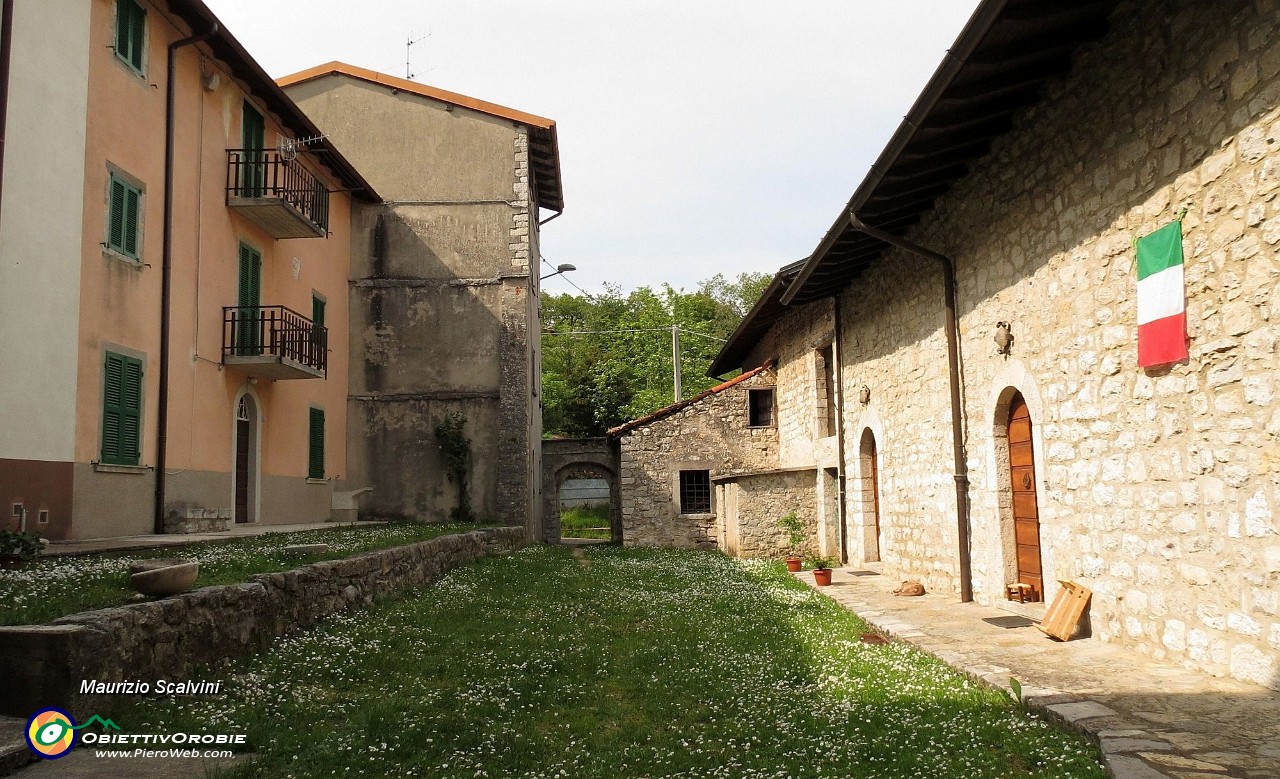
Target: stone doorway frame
x,y
562,457
253,406
1012,380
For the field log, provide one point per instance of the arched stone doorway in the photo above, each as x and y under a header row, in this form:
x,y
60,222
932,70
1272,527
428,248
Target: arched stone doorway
x,y
869,462
246,457
573,459
1019,485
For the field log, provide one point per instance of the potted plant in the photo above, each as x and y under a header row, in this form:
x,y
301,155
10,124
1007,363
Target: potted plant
x,y
822,570
795,537
17,548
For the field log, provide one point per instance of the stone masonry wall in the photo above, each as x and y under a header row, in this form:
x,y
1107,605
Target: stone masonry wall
x,y
43,665
764,498
711,434
1156,489
795,343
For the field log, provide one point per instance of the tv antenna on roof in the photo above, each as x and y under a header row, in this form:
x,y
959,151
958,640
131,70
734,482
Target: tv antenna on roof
x,y
408,51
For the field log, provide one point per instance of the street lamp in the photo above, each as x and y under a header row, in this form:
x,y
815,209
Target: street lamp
x,y
563,267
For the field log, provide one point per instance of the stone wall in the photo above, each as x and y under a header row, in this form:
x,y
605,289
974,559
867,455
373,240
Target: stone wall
x,y
751,505
710,434
796,345
43,665
1155,489
564,458
444,315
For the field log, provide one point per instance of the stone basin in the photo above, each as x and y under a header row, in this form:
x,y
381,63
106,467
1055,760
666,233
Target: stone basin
x,y
162,577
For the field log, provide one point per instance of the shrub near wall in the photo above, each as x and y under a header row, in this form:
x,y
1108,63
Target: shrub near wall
x,y
44,665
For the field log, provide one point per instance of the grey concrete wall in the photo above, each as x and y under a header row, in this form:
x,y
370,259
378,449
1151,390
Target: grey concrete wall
x,y
444,313
112,504
43,665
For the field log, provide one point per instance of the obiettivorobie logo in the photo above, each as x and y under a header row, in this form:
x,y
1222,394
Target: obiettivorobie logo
x,y
51,733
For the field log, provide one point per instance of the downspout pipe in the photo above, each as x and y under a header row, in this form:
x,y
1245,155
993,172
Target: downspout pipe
x,y
841,474
957,412
166,273
6,51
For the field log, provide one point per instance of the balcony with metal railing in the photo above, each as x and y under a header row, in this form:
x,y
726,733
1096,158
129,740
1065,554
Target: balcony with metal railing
x,y
276,193
274,342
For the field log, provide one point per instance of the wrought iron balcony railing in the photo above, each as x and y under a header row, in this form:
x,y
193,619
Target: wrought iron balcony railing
x,y
274,342
279,194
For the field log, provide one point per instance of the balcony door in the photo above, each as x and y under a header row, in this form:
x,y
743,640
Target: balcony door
x,y
249,314
253,139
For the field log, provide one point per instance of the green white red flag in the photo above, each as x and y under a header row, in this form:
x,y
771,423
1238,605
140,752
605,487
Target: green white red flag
x,y
1162,300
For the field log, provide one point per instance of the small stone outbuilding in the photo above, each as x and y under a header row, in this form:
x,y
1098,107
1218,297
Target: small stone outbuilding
x,y
683,467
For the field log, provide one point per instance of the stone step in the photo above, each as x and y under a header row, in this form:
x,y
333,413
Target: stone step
x,y
13,747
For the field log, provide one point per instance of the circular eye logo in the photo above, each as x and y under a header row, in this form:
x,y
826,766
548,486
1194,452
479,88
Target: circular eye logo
x,y
51,733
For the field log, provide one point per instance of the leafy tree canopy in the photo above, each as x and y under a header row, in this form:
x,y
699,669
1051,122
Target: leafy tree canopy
x,y
606,358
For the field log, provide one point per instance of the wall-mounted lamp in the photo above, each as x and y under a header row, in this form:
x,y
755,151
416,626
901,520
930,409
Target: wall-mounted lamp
x,y
563,267
1004,338
864,394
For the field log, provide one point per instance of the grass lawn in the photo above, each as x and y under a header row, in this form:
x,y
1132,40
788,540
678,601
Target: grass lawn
x,y
585,522
608,662
54,587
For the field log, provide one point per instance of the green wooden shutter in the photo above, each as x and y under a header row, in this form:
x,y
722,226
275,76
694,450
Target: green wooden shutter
x,y
121,410
131,413
249,334
115,215
124,26
137,34
317,311
112,393
131,201
253,138
315,447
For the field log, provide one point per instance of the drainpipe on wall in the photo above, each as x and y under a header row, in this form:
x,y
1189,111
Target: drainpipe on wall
x,y
841,478
957,413
166,271
6,49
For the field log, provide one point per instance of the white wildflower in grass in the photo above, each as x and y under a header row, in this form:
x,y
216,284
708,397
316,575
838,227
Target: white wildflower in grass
x,y
646,663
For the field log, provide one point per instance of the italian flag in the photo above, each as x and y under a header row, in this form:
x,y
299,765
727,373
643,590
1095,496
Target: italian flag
x,y
1162,307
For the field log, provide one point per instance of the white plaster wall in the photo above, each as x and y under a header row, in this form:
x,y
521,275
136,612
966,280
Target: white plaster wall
x,y
40,228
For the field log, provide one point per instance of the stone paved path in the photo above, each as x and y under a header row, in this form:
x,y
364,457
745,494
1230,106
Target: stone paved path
x,y
1153,720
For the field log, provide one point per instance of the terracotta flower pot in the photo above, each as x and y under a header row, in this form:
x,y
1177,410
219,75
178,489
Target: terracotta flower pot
x,y
794,564
822,576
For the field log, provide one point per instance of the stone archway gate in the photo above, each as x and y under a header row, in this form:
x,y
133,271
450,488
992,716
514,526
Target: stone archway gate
x,y
563,457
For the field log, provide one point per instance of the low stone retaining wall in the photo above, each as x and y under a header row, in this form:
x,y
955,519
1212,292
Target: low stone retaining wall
x,y
44,665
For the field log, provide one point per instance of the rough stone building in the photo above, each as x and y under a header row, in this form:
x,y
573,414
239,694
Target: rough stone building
x,y
680,465
1051,138
444,289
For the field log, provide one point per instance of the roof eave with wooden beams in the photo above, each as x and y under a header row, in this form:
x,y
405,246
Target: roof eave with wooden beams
x,y
996,69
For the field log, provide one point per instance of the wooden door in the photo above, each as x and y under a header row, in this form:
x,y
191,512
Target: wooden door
x,y
253,137
1022,479
242,470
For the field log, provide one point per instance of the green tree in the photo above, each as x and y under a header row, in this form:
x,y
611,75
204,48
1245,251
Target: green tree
x,y
607,357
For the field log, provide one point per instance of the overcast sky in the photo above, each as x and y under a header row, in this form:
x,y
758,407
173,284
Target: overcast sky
x,y
696,136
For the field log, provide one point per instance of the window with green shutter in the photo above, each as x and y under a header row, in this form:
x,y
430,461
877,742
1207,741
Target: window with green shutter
x,y
131,29
315,448
121,410
124,213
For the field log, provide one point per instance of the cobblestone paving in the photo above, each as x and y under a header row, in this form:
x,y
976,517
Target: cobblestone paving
x,y
1153,719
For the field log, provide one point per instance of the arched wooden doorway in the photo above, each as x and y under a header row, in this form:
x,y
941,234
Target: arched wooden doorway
x,y
870,495
1022,482
246,460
